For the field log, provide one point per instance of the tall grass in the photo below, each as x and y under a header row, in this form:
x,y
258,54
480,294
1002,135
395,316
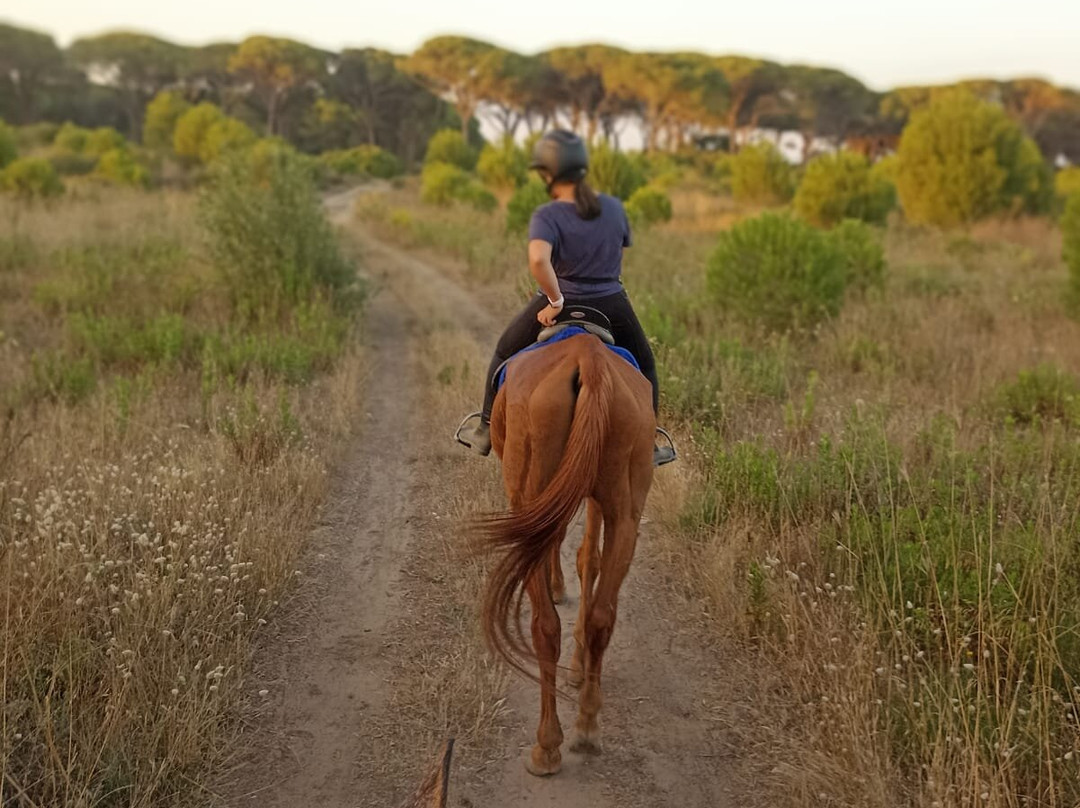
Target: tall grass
x,y
161,459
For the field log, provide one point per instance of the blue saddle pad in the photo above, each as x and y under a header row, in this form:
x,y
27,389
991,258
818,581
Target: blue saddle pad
x,y
566,333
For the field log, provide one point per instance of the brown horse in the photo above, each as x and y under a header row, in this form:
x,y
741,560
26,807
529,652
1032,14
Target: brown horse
x,y
573,422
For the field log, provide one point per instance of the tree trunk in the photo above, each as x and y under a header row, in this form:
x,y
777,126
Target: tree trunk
x,y
271,112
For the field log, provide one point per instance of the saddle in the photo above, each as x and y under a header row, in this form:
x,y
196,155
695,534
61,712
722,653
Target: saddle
x,y
592,320
570,321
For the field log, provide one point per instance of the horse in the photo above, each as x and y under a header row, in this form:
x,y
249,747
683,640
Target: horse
x,y
573,422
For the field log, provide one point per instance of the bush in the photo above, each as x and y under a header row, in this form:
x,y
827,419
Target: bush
x,y
103,139
224,136
8,148
1067,182
648,205
69,163
1070,229
503,166
31,178
36,135
442,183
270,238
777,271
760,175
162,114
860,246
72,138
448,146
369,161
843,186
1044,393
526,199
191,130
612,172
962,159
119,167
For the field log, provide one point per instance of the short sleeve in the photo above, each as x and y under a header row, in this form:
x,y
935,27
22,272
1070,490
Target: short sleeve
x,y
542,229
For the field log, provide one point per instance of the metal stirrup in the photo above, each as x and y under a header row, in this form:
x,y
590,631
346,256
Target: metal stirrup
x,y
461,426
674,452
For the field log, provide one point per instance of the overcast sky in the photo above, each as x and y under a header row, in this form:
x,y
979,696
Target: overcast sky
x,y
883,43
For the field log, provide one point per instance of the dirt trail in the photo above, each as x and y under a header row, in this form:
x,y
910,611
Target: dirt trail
x,y
326,734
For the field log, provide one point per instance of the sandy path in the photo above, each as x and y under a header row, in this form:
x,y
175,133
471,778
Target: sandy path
x,y
329,733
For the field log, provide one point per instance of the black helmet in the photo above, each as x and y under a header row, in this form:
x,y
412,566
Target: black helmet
x,y
562,155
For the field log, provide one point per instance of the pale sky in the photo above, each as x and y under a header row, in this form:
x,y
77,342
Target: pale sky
x,y
883,43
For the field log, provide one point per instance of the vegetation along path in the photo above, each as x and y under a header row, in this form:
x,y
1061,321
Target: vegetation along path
x,y
381,657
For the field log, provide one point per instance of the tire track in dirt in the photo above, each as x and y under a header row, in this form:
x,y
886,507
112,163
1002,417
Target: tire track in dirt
x,y
329,736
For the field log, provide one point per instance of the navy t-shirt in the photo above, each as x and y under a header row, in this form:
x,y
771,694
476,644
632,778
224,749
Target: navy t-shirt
x,y
586,254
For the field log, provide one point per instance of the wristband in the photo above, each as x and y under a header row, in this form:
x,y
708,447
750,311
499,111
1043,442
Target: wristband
x,y
557,304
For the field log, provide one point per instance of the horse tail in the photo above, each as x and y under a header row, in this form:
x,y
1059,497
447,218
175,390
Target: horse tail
x,y
528,534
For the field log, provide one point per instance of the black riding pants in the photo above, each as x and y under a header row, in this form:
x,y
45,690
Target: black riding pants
x,y
625,328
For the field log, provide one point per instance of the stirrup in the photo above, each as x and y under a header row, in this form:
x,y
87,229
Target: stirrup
x,y
461,426
671,444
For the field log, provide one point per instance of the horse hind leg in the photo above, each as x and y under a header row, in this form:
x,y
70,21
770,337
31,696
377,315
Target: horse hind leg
x,y
545,757
588,567
558,582
599,625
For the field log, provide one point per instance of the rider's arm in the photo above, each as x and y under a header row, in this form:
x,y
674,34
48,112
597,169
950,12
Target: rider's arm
x,y
542,270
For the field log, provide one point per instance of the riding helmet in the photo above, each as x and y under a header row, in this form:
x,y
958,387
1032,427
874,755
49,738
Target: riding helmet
x,y
562,155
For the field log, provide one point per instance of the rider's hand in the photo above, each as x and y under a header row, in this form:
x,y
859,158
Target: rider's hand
x,y
548,314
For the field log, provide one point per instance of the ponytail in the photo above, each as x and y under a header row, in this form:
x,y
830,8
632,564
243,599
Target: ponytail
x,y
586,201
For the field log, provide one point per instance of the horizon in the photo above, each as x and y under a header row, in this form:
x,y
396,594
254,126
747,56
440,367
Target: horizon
x,y
990,50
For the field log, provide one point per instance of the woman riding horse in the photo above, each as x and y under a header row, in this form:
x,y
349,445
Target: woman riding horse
x,y
576,245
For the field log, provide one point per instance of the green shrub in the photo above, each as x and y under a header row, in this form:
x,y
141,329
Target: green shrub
x,y
1070,229
612,172
72,138
369,161
189,135
526,199
111,341
162,114
8,148
962,159
119,167
449,146
62,378
31,178
223,137
502,166
777,271
68,163
843,186
443,183
660,169
1067,182
103,139
648,205
36,135
270,238
860,246
761,176
1044,393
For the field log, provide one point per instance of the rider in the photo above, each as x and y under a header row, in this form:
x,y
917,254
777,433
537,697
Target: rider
x,y
576,244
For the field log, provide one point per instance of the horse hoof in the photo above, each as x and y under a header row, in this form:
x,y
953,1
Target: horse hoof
x,y
542,762
559,598
586,743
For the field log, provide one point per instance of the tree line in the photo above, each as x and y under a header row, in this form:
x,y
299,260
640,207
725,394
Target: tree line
x,y
321,100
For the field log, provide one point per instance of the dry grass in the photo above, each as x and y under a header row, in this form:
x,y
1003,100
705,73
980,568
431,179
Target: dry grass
x,y
151,510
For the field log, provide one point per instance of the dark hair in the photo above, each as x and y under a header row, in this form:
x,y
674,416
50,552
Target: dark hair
x,y
585,200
